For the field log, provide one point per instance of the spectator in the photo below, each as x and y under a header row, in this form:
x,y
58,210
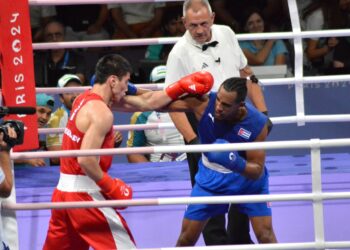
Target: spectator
x,y
6,180
319,15
39,17
50,65
213,48
44,107
60,117
172,26
83,22
141,138
261,52
231,13
341,59
136,20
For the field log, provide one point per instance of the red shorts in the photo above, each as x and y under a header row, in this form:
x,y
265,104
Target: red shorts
x,y
79,228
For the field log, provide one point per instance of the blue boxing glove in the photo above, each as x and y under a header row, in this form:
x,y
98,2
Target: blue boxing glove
x,y
132,90
231,160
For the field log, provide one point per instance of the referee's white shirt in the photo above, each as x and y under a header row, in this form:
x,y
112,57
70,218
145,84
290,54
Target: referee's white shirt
x,y
222,61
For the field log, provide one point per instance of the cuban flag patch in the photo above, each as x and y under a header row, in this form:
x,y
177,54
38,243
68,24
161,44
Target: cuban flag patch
x,y
244,133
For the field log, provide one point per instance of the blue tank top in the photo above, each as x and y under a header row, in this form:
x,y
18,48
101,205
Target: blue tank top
x,y
246,130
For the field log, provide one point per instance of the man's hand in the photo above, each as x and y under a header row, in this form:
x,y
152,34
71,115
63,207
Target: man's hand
x,y
37,162
115,189
11,134
118,139
231,160
197,83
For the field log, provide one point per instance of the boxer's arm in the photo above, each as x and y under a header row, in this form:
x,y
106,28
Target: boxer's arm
x,y
255,93
96,120
256,158
197,83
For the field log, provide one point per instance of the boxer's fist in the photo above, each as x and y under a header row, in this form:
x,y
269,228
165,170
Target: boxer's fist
x,y
115,189
197,83
231,159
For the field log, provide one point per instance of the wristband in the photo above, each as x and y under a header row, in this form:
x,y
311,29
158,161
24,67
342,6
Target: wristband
x,y
105,183
253,78
241,164
238,163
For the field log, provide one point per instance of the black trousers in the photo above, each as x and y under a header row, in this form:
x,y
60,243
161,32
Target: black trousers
x,y
215,232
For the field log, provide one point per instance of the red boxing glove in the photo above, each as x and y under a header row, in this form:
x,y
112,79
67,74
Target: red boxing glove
x,y
197,83
115,189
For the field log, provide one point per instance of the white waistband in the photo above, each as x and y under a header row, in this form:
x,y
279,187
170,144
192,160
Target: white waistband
x,y
76,183
215,166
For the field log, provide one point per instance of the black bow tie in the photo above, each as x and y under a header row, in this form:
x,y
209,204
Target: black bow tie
x,y
207,45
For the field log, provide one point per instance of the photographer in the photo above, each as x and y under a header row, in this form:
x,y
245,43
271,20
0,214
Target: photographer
x,y
5,165
11,134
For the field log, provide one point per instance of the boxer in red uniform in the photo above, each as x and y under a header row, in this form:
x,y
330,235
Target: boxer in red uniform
x,y
85,178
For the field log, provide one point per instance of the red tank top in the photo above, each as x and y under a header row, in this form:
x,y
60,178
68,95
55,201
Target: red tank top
x,y
72,138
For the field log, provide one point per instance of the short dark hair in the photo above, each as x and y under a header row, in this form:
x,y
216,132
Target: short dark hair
x,y
238,85
111,64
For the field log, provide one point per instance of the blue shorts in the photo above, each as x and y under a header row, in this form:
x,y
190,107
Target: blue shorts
x,y
202,212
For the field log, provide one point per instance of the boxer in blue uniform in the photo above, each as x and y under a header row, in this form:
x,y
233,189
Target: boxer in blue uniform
x,y
224,117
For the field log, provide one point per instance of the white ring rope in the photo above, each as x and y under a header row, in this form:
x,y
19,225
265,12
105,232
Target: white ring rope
x,y
169,125
336,79
299,144
171,40
178,201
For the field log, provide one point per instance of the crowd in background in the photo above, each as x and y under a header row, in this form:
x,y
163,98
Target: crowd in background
x,y
144,20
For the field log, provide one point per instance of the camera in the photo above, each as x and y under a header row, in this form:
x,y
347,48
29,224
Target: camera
x,y
18,126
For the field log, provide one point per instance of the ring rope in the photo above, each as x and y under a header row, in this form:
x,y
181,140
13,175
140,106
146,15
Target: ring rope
x,y
171,40
263,82
236,199
169,125
298,144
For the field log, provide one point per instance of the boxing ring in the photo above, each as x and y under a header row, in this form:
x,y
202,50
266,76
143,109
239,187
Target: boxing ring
x,y
310,198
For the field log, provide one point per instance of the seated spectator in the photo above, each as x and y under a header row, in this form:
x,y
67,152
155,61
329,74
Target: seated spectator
x,y
172,26
341,58
319,15
230,13
50,65
136,20
44,106
261,52
39,17
83,22
140,138
60,117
